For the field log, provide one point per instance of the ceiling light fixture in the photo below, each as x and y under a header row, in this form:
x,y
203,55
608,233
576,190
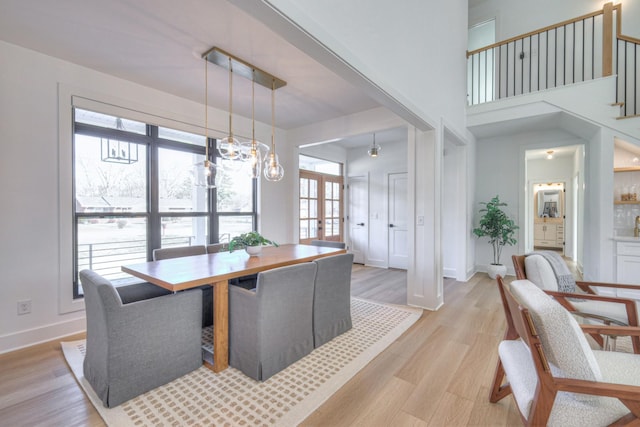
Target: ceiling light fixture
x,y
273,170
549,154
208,177
253,150
229,147
375,149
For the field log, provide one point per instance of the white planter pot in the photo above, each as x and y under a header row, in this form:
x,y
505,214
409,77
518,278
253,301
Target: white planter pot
x,y
253,250
496,269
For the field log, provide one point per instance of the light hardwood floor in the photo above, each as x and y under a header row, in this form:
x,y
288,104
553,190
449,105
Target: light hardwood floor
x,y
437,374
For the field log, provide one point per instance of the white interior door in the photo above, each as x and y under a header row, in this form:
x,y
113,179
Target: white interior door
x,y
358,188
398,234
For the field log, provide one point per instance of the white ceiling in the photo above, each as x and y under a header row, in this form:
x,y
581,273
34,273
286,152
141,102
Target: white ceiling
x,y
158,43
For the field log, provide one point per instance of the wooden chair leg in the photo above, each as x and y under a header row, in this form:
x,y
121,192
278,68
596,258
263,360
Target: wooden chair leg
x,y
499,391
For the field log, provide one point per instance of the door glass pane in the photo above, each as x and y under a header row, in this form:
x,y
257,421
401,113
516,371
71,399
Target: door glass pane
x,y
105,186
313,189
184,231
304,187
231,226
178,192
313,209
105,244
234,187
327,209
304,229
336,209
313,229
336,190
304,208
327,190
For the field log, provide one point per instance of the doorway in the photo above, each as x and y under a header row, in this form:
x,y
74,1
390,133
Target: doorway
x,y
321,216
398,210
358,189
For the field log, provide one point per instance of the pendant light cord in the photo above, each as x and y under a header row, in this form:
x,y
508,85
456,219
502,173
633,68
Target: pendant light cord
x,y
273,117
230,99
206,111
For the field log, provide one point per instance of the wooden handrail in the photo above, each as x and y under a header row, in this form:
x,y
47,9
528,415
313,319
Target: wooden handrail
x,y
629,39
541,30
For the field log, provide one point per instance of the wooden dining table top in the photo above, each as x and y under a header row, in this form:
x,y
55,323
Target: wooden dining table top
x,y
177,274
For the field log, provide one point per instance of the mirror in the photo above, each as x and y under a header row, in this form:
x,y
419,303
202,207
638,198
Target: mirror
x,y
549,204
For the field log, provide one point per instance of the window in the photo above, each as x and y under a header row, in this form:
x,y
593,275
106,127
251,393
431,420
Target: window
x,y
134,191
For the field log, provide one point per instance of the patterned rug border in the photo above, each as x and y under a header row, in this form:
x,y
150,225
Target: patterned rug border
x,y
118,416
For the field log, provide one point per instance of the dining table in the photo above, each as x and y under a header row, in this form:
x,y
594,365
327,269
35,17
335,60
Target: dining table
x,y
215,269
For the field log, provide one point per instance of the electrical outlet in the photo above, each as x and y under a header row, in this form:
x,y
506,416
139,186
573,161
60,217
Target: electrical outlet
x,y
24,306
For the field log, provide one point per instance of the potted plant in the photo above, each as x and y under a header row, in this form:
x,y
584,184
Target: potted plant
x,y
251,242
500,229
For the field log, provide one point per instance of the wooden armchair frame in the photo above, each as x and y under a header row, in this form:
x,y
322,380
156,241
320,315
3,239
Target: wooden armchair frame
x,y
562,298
520,325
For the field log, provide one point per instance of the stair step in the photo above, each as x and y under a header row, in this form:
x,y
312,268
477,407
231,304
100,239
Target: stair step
x,y
617,104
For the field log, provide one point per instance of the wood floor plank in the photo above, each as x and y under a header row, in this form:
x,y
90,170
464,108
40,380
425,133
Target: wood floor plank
x,y
437,373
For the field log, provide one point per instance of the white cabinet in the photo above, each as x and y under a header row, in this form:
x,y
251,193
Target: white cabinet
x,y
628,262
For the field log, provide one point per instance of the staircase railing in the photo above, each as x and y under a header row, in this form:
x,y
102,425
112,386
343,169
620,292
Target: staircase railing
x,y
628,75
568,52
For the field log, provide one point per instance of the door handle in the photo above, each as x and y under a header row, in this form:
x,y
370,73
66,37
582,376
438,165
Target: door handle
x,y
391,225
360,223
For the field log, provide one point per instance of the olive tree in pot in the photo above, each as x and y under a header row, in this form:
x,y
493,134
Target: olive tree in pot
x,y
500,229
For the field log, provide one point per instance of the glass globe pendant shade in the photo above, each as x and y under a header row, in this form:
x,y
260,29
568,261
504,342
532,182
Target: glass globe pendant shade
x,y
273,170
253,152
206,174
229,148
374,151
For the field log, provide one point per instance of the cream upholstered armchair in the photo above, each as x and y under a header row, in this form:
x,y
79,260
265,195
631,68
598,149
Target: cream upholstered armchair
x,y
598,302
555,377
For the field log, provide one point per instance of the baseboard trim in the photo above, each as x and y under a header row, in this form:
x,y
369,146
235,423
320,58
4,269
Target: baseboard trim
x,y
31,337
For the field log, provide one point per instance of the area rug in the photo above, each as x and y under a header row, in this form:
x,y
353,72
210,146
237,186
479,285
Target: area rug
x,y
229,398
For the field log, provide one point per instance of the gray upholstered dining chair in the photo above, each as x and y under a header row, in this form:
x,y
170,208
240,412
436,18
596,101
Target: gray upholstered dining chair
x,y
177,252
271,327
207,290
217,247
332,298
135,347
555,377
329,244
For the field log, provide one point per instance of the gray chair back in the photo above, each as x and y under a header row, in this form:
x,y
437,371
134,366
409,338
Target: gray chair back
x,y
133,348
329,244
177,252
271,327
332,298
217,247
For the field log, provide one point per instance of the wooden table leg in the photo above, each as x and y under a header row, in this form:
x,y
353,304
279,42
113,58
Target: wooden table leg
x,y
220,326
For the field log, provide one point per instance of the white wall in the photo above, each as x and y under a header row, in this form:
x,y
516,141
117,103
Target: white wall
x,y
31,228
397,46
393,158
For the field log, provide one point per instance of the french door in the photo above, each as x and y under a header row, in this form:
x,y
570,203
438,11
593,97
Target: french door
x,y
321,215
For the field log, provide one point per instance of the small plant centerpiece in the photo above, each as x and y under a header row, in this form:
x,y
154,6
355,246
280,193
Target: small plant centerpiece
x,y
251,242
500,229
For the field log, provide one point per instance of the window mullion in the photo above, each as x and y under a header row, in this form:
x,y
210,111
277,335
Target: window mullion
x,y
154,232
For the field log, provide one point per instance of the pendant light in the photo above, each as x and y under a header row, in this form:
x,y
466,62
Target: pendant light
x,y
207,177
229,147
375,149
273,170
253,151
